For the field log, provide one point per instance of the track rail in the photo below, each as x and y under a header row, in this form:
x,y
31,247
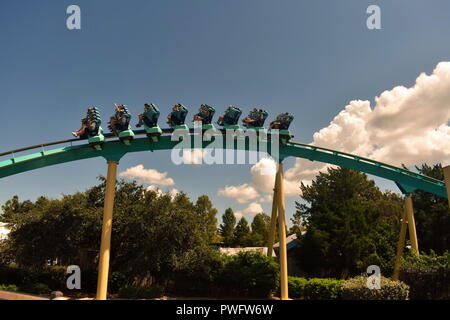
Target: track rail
x,y
406,180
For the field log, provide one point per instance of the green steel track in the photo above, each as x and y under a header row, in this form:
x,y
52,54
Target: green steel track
x,y
11,163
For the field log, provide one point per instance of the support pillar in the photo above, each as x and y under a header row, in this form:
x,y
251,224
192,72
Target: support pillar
x,y
400,246
105,246
411,224
447,181
273,221
282,234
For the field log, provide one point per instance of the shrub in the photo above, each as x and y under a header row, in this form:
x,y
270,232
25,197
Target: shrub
x,y
323,289
198,275
37,288
133,292
117,280
12,275
250,273
427,275
296,287
357,289
9,287
315,289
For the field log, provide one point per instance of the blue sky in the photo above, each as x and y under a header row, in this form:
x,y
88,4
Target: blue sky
x,y
309,58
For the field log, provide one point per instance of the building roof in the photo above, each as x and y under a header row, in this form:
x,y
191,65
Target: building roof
x,y
290,242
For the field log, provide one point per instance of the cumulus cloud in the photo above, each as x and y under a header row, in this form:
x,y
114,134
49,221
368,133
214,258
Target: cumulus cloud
x,y
260,190
266,198
242,193
194,156
172,193
252,210
405,126
148,176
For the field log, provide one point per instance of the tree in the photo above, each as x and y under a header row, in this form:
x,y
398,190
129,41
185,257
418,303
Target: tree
x,y
207,213
260,230
242,233
349,224
226,229
154,237
432,215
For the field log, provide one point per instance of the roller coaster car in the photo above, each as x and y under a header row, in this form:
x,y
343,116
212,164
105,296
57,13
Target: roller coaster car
x,y
177,117
205,115
91,129
230,119
255,120
97,141
282,123
150,121
119,125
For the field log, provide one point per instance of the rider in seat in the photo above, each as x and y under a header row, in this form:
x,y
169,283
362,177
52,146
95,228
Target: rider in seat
x,y
150,116
282,122
205,114
230,117
255,119
89,125
120,121
177,116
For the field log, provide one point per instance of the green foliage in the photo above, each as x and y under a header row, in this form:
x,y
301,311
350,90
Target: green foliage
x,y
198,275
133,292
357,289
350,224
260,230
427,275
153,237
432,215
9,287
323,289
117,280
296,287
251,273
37,288
226,229
315,289
208,220
242,234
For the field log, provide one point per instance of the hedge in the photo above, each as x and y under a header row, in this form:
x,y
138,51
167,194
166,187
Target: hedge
x,y
427,275
249,274
44,280
315,289
133,292
357,289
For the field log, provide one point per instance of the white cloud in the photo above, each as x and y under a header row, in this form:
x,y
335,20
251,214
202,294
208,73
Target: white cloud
x,y
172,193
260,190
193,156
252,210
242,193
266,198
405,126
149,176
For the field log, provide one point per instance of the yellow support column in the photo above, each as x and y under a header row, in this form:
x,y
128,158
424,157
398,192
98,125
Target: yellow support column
x,y
411,224
273,222
282,234
105,246
447,181
400,246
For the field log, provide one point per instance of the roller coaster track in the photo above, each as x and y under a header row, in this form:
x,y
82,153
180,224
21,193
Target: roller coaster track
x,y
114,150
